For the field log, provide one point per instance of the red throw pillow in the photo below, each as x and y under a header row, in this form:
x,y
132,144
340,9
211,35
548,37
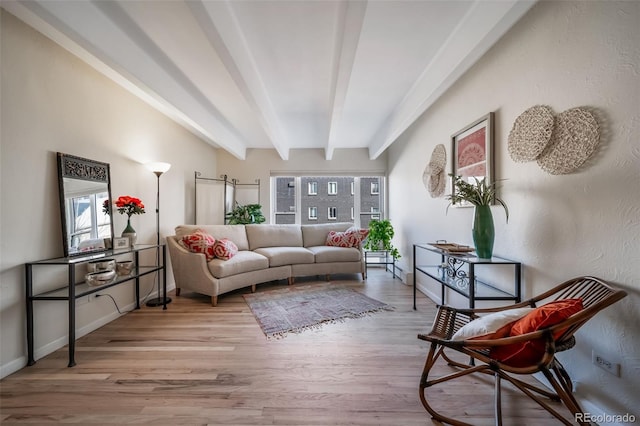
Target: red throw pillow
x,y
199,242
528,353
352,237
225,249
357,235
338,239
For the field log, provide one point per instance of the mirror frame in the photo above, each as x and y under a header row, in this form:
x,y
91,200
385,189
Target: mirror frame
x,y
70,166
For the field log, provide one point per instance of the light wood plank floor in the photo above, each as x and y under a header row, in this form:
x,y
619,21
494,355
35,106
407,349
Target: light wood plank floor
x,y
194,364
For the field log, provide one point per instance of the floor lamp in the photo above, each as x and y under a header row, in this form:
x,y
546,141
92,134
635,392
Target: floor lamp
x,y
158,169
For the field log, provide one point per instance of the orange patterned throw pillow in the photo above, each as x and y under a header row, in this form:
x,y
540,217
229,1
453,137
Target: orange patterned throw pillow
x,y
199,242
352,237
528,353
224,249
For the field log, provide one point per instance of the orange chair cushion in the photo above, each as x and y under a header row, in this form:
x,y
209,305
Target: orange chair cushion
x,y
529,353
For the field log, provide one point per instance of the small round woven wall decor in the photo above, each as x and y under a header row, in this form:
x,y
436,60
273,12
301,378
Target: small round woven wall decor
x,y
434,178
575,138
530,133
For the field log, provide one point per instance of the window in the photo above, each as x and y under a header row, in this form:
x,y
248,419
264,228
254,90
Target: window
x,y
313,188
313,213
332,213
293,200
375,188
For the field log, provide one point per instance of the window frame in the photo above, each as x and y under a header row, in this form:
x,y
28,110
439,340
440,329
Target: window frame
x,y
315,210
335,215
312,188
332,184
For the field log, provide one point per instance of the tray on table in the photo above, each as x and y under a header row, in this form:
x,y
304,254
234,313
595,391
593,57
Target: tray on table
x,y
452,247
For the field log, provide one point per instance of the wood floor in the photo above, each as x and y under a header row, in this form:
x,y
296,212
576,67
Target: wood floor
x,y
198,365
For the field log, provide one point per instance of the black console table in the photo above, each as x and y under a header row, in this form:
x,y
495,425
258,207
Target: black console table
x,y
72,289
457,271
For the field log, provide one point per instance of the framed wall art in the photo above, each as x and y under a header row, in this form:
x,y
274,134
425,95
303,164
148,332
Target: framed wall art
x,y
472,152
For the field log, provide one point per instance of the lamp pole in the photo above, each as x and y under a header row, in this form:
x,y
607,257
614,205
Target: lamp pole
x,y
158,169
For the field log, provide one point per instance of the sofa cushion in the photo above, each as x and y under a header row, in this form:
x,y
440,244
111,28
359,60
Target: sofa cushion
x,y
224,249
316,235
328,254
243,261
279,256
235,233
273,236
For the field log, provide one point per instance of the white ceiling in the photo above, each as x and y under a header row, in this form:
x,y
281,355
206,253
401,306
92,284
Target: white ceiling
x,y
281,74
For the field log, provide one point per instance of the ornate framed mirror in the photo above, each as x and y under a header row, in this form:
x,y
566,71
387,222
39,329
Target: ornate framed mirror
x,y
85,205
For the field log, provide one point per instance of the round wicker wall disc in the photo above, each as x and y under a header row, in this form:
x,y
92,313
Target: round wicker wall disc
x,y
530,134
575,137
434,176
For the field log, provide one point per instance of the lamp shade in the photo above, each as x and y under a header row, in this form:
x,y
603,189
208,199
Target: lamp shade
x,y
158,168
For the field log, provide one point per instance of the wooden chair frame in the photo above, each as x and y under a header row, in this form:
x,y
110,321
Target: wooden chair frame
x,y
596,295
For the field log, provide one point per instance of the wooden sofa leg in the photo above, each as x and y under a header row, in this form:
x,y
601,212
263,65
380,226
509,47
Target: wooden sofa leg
x,y
327,277
253,288
291,279
214,301
177,291
364,276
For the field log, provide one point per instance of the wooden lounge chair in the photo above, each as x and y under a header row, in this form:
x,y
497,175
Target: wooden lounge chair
x,y
595,295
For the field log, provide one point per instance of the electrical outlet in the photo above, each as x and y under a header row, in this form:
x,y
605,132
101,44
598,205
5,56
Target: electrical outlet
x,y
605,364
83,300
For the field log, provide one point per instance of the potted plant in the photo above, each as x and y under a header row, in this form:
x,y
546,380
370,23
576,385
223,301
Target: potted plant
x,y
481,195
379,238
245,214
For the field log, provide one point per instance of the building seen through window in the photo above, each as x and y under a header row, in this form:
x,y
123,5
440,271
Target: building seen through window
x,y
326,199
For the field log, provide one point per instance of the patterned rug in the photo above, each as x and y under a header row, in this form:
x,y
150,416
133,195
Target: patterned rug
x,y
299,308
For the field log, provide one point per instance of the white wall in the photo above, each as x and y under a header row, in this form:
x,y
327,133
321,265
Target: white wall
x,y
561,54
261,163
52,101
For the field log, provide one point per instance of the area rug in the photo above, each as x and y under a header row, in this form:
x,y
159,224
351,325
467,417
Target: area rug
x,y
299,308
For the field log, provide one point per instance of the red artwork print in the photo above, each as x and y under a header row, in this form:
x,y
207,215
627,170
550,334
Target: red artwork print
x,y
472,155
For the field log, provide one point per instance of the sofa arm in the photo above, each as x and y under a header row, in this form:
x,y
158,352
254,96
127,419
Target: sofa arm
x,y
190,270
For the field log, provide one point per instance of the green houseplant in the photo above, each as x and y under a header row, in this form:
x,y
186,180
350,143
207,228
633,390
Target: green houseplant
x,y
481,195
379,238
245,214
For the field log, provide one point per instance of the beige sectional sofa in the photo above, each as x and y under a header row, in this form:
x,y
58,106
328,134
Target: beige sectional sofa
x,y
265,253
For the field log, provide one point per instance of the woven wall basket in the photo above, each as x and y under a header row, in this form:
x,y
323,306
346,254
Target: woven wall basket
x,y
434,178
530,134
575,137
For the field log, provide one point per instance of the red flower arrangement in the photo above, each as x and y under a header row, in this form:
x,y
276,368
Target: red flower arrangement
x,y
129,205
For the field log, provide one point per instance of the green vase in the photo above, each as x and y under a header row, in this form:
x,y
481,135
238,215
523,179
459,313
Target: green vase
x,y
483,232
130,233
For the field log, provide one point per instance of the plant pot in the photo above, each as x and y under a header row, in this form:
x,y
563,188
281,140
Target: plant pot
x,y
483,232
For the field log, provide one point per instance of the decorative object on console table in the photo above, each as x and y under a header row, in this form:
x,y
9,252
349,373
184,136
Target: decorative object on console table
x,y
481,195
129,206
158,169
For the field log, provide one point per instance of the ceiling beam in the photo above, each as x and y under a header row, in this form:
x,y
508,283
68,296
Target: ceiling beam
x,y
484,23
348,29
223,30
